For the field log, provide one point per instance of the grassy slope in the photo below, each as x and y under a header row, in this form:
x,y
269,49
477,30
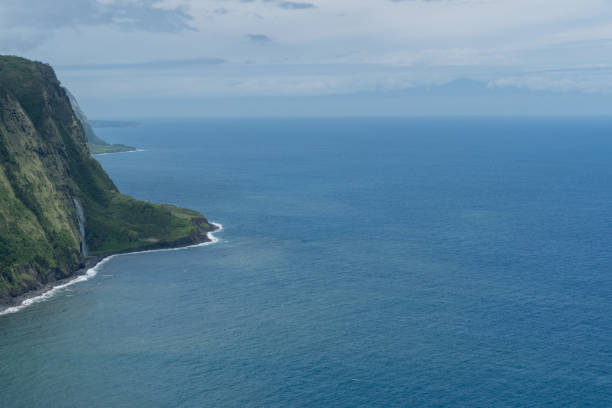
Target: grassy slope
x,y
44,164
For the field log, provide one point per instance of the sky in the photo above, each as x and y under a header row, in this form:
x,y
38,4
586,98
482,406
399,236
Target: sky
x,y
152,58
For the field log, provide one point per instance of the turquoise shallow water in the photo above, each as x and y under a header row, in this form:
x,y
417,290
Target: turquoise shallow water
x,y
364,263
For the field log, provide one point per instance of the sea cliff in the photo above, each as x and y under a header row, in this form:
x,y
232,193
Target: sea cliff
x,y
59,210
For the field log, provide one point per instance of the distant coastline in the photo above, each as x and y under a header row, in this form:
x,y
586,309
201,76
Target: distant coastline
x,y
111,148
99,146
118,151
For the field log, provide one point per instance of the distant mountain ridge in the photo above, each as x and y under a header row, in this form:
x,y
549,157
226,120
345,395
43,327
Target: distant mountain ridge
x,y
96,144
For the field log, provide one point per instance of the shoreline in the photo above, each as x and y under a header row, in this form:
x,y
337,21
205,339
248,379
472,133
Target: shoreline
x,y
91,269
123,151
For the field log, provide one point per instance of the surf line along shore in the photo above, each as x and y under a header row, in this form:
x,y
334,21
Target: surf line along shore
x,y
91,269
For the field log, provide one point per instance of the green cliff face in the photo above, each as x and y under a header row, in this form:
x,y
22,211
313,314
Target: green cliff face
x,y
45,169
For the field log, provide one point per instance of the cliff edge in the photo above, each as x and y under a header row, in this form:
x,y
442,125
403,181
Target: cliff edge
x,y
58,207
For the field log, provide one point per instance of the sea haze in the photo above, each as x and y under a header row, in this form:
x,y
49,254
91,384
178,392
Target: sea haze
x,y
437,262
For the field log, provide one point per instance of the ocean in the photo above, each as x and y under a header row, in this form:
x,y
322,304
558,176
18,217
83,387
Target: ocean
x,y
424,262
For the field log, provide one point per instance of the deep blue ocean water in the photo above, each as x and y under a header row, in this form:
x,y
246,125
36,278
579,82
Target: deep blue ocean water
x,y
364,263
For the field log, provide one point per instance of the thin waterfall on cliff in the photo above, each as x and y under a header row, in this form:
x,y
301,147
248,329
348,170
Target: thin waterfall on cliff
x,y
81,219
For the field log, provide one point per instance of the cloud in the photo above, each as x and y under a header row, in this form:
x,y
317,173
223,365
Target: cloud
x,y
259,38
159,64
357,46
287,5
29,22
291,5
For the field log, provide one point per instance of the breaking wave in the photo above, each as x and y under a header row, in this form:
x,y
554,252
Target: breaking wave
x,y
92,272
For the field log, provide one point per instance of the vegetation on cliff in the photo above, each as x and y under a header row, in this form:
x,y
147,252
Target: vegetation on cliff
x,y
45,165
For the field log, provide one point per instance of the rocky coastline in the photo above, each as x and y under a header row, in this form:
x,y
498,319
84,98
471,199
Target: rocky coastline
x,y
203,236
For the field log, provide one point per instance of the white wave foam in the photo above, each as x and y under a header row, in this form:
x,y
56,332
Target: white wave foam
x,y
127,151
92,272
